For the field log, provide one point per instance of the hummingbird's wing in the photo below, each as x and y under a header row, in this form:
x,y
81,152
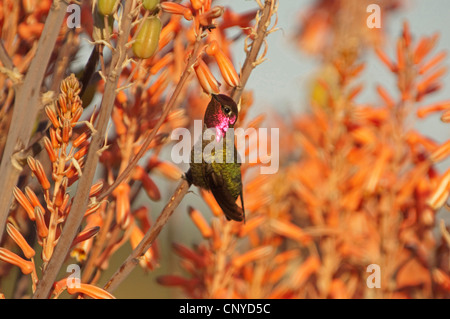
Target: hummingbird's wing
x,y
241,192
223,196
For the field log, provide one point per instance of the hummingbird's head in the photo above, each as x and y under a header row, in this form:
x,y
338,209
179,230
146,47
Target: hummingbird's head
x,y
221,113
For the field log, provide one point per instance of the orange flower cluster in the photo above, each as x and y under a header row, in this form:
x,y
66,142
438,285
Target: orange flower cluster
x,y
365,190
66,150
21,25
322,31
66,154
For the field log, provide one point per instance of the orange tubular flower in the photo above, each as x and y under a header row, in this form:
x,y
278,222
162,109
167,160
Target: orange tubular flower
x,y
81,138
206,18
7,256
29,6
62,101
59,287
148,262
122,193
288,229
33,198
30,31
96,188
149,185
168,170
188,253
85,235
377,169
440,194
442,106
206,5
41,226
446,117
54,138
49,148
200,222
23,201
168,31
386,60
440,153
81,152
172,280
227,70
433,62
197,4
39,171
251,225
117,118
175,8
81,250
52,116
308,267
161,63
211,202
206,78
76,116
231,19
141,214
422,86
424,46
252,255
20,241
90,290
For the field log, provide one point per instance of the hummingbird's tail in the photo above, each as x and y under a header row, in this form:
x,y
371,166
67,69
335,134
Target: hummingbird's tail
x,y
228,205
242,203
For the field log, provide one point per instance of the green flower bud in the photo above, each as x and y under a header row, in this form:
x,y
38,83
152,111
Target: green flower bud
x,y
107,7
147,39
150,4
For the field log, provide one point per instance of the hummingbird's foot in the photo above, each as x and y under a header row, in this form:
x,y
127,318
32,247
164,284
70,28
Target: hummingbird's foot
x,y
188,177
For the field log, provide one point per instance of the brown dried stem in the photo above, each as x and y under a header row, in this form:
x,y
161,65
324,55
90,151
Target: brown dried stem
x,y
81,197
63,60
182,189
252,55
5,58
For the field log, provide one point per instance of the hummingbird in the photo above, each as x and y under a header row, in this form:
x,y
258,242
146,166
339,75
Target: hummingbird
x,y
220,170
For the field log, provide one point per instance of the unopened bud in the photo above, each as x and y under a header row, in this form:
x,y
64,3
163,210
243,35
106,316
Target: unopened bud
x,y
147,39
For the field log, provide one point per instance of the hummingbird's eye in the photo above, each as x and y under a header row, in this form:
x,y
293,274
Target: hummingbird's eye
x,y
227,110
